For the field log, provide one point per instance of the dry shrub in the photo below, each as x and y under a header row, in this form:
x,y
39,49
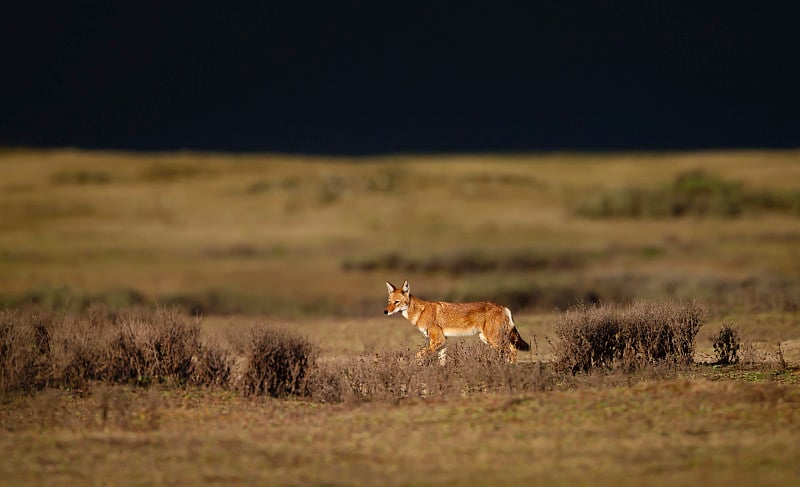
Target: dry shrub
x,y
479,369
152,346
396,375
50,349
726,345
20,351
76,354
47,349
382,376
277,363
629,336
213,365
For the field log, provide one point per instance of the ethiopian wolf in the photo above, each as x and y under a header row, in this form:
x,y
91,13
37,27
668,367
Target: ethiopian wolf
x,y
438,320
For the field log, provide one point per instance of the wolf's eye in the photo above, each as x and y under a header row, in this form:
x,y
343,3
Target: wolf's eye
x,y
397,302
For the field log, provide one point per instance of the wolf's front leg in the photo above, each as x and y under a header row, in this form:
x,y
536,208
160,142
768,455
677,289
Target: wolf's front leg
x,y
436,344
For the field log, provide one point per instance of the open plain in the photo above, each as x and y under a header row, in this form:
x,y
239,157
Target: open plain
x,y
304,245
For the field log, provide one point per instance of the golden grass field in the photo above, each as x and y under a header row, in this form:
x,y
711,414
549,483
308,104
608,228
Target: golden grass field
x,y
683,432
306,243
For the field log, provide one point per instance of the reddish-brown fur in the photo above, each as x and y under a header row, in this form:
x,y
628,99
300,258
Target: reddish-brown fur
x,y
439,319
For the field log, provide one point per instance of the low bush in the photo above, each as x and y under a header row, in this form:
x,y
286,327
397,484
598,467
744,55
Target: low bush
x,y
213,365
20,351
40,349
726,345
627,336
78,348
277,363
152,347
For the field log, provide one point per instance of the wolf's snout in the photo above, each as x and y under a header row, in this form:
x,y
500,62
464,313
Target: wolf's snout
x,y
386,311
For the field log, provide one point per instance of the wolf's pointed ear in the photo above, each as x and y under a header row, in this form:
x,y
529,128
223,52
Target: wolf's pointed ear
x,y
406,289
390,287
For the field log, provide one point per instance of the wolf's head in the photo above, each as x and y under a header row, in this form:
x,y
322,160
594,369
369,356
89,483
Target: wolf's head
x,y
399,299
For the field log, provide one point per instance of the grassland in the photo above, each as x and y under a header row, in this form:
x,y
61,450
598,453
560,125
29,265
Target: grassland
x,y
683,431
305,243
275,234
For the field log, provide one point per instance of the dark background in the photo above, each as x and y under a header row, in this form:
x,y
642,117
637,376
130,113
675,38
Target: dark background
x,y
370,77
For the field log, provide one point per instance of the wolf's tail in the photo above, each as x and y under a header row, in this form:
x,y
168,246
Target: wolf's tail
x,y
516,339
518,342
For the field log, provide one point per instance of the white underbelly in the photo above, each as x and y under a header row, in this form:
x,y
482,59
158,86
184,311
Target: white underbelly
x,y
460,332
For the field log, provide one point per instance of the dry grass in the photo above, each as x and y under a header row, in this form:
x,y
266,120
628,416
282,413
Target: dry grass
x,y
656,433
269,234
377,414
395,375
41,349
304,244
